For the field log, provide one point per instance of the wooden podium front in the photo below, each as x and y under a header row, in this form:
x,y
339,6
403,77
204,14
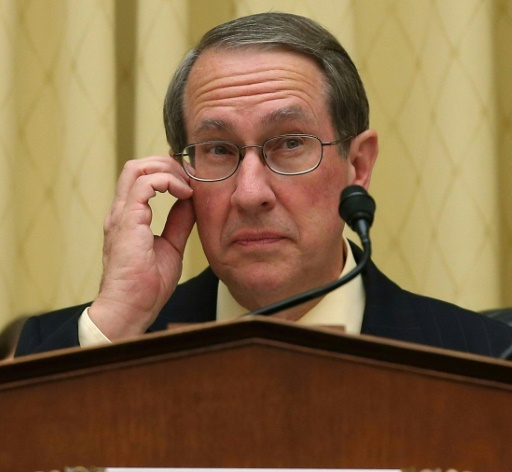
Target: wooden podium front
x,y
259,393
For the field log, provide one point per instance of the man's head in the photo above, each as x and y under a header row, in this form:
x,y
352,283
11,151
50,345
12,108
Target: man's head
x,y
268,235
347,100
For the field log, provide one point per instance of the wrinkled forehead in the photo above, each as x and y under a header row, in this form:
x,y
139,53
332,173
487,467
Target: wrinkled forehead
x,y
251,76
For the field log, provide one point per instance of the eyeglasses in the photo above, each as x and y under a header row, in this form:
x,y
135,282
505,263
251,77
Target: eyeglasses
x,y
287,154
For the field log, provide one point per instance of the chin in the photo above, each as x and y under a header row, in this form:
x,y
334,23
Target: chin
x,y
264,281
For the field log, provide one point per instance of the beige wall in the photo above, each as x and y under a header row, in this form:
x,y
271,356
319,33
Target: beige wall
x,y
81,90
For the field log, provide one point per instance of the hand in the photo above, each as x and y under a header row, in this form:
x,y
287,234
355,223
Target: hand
x,y
140,270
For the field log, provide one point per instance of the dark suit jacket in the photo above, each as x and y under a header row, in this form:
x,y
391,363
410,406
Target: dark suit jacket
x,y
390,312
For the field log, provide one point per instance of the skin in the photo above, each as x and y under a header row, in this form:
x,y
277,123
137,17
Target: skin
x,y
267,236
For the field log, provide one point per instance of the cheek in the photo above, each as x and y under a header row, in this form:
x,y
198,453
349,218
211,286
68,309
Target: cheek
x,y
320,202
313,209
335,178
322,211
324,191
211,207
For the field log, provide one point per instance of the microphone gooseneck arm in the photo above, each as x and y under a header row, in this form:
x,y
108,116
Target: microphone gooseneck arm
x,y
506,354
357,209
317,292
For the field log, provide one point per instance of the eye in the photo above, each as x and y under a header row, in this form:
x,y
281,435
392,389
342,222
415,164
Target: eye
x,y
220,149
285,144
291,143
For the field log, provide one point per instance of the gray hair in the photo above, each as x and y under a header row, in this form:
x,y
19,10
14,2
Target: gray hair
x,y
347,100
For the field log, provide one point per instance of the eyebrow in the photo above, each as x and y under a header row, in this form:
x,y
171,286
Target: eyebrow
x,y
210,125
284,114
292,113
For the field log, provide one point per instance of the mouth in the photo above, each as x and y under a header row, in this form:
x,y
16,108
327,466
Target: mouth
x,y
256,239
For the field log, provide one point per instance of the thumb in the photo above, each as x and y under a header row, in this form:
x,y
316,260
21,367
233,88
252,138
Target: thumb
x,y
179,224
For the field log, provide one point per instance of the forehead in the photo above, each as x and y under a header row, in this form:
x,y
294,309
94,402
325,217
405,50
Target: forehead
x,y
271,85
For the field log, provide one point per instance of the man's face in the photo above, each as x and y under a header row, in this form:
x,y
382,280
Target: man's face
x,y
266,236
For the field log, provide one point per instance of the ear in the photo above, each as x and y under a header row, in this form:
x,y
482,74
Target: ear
x,y
363,154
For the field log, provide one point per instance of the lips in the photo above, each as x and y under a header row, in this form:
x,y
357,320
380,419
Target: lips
x,y
255,239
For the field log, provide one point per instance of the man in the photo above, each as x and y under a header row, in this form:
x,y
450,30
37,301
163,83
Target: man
x,y
268,122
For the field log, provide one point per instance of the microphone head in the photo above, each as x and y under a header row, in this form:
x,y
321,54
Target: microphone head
x,y
356,204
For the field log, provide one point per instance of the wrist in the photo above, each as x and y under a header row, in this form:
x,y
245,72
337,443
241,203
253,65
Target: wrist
x,y
119,320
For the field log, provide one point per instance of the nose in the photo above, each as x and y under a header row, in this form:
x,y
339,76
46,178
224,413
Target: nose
x,y
253,190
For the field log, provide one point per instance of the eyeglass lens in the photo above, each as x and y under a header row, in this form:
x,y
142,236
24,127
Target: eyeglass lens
x,y
216,160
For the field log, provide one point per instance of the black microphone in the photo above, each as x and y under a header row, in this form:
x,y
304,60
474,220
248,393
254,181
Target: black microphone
x,y
357,209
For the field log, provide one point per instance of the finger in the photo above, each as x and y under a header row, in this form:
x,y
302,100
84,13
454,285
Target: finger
x,y
136,210
134,169
146,186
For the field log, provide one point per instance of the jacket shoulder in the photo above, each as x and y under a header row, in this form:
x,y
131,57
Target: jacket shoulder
x,y
47,332
396,313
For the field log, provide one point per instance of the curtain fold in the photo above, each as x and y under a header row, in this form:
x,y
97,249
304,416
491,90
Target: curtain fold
x,y
502,65
81,91
8,265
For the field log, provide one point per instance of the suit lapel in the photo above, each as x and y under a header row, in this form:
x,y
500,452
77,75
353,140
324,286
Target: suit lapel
x,y
194,301
389,311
